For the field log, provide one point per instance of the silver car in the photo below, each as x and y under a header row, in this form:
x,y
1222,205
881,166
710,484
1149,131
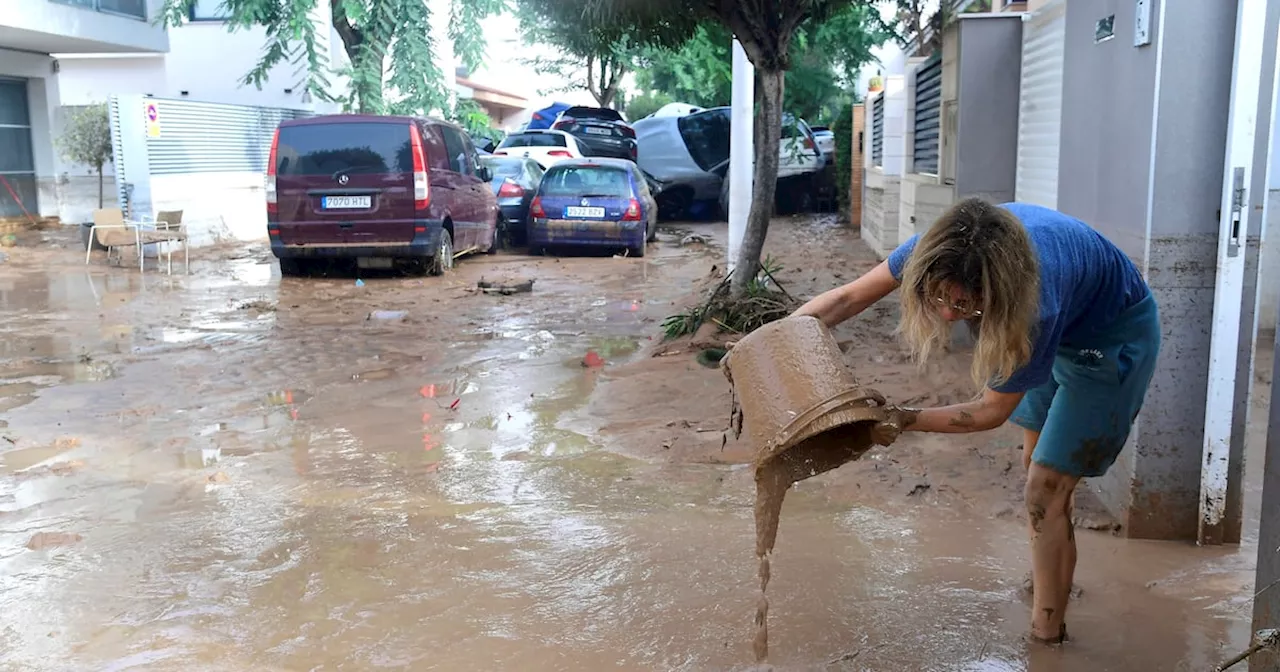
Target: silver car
x,y
687,155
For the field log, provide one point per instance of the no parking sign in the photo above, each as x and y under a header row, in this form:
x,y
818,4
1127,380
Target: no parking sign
x,y
151,112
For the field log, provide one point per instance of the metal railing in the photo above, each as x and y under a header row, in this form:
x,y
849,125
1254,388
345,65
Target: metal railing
x,y
134,9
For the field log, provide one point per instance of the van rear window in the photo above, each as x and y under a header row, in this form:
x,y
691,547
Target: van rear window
x,y
355,148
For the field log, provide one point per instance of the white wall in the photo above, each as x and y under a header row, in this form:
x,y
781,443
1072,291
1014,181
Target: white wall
x,y
1269,262
46,27
217,207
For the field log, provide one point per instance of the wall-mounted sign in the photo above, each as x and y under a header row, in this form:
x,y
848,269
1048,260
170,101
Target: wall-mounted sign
x,y
1104,29
151,113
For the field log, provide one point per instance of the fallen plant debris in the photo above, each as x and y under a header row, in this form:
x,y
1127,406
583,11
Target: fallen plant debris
x,y
505,288
761,305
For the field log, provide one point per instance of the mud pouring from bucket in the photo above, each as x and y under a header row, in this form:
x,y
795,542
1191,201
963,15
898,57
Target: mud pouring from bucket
x,y
804,414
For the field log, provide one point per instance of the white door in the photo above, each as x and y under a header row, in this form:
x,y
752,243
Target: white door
x,y
1243,127
1040,105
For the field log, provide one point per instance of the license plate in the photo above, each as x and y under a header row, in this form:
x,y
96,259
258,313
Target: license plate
x,y
346,202
592,130
373,262
576,211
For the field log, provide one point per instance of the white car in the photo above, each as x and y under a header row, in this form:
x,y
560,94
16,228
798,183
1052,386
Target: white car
x,y
545,147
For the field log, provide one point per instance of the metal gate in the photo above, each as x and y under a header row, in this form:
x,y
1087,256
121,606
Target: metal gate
x,y
927,121
17,161
877,130
1040,105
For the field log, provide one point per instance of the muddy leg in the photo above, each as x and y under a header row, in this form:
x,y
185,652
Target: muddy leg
x,y
1029,440
1048,497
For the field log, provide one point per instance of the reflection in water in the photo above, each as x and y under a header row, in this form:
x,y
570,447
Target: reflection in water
x,y
421,505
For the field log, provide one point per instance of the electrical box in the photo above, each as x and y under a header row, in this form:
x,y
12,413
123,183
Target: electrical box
x,y
1142,23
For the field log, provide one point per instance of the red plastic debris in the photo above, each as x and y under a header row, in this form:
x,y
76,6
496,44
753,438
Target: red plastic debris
x,y
592,360
428,391
454,405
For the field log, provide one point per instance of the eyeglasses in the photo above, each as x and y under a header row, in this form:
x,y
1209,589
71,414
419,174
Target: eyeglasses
x,y
959,307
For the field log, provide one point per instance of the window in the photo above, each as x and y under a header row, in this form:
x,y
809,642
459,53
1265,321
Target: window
x,y
459,152
326,149
209,10
706,134
598,181
132,8
533,140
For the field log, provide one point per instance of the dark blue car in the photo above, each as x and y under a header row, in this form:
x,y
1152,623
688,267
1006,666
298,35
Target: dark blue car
x,y
594,203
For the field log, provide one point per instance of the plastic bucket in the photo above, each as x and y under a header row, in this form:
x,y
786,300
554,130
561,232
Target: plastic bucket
x,y
797,399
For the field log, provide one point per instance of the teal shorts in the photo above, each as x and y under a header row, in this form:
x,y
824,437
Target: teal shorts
x,y
1086,409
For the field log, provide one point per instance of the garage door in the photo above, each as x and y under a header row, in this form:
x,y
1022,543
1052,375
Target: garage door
x,y
17,164
1040,106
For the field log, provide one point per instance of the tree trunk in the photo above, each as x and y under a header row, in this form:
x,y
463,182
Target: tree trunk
x,y
767,141
100,187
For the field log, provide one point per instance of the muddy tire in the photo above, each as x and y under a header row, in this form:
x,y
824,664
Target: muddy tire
x,y
443,259
292,268
636,251
499,236
653,233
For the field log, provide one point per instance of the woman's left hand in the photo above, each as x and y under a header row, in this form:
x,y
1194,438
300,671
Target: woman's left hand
x,y
896,421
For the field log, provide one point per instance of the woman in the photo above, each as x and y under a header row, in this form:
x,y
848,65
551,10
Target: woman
x,y
1067,335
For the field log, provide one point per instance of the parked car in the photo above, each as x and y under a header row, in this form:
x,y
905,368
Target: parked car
x,y
826,140
544,118
600,131
689,155
378,189
545,147
597,202
515,183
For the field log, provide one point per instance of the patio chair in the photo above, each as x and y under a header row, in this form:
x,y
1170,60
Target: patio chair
x,y
113,232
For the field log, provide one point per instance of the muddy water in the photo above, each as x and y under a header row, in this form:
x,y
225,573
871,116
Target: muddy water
x,y
362,523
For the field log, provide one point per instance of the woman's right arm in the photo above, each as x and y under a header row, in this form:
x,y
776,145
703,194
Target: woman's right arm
x,y
837,305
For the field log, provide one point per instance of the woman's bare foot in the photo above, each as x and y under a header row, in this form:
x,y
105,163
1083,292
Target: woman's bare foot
x,y
1033,638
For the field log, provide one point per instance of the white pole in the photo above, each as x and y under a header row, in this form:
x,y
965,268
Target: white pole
x,y
741,149
1246,85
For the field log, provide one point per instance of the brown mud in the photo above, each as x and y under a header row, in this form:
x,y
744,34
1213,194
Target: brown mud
x,y
804,415
262,477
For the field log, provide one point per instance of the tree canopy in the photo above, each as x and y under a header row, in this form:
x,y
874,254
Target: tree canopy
x,y
390,48
819,86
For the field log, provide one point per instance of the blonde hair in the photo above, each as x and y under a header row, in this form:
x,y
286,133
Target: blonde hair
x,y
984,250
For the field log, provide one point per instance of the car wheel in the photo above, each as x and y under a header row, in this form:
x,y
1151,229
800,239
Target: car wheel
x,y
653,233
443,259
500,234
291,268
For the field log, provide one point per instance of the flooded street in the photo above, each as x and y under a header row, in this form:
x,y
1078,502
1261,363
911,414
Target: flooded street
x,y
231,471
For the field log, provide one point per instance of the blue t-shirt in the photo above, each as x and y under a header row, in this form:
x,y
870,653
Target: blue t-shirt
x,y
1086,282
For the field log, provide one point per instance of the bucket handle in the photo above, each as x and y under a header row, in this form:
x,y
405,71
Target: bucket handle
x,y
849,397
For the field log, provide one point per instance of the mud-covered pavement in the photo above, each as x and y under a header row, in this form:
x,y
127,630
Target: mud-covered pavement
x,y
230,471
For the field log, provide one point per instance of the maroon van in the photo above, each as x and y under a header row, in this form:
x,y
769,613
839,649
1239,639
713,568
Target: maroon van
x,y
381,190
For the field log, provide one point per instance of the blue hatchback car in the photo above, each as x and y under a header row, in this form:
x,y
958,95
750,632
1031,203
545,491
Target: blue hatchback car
x,y
594,202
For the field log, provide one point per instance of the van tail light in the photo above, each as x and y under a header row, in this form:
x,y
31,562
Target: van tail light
x,y
560,152
808,142
510,190
421,188
633,212
535,208
269,184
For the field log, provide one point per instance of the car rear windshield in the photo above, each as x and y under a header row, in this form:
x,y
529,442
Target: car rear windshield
x,y
351,148
534,140
504,167
593,113
598,181
706,134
